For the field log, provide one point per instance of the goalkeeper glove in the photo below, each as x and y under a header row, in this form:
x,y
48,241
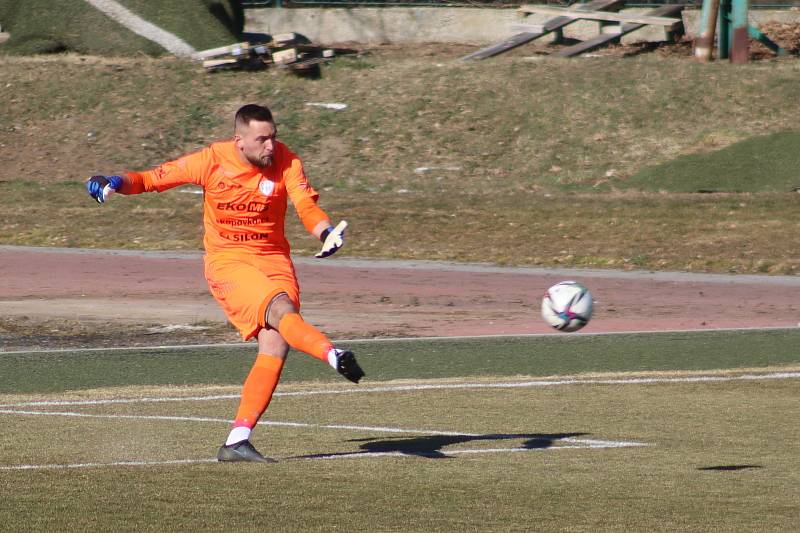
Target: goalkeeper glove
x,y
332,239
101,187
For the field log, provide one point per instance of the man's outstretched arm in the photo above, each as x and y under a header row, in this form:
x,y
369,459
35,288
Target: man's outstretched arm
x,y
192,168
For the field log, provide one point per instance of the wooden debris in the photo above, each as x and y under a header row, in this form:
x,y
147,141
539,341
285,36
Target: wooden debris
x,y
237,49
213,64
284,38
284,57
286,50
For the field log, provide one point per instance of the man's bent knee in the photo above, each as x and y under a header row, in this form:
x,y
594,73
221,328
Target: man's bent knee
x,y
271,343
280,305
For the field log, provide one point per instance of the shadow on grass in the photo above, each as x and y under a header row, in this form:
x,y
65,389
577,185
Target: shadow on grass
x,y
430,446
728,468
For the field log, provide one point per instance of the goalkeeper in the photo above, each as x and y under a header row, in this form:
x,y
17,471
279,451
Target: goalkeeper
x,y
246,182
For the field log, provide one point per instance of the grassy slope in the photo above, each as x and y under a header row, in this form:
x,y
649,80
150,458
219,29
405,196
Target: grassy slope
x,y
43,26
529,165
47,26
767,162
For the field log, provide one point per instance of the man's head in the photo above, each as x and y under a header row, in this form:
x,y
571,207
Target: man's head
x,y
254,134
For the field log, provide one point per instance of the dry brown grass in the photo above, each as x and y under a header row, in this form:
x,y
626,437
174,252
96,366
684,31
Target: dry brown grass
x,y
521,171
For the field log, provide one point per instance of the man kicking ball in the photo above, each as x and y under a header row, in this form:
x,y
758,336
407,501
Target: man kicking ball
x,y
246,182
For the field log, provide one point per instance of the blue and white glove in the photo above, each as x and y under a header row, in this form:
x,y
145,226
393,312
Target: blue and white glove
x,y
332,239
101,187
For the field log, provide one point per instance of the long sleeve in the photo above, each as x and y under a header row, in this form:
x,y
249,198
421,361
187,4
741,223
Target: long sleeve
x,y
303,196
193,168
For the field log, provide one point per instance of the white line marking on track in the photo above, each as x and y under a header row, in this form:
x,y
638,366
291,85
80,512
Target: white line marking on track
x,y
425,387
561,335
447,266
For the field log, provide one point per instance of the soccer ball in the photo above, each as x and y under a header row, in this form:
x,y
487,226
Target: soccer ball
x,y
567,306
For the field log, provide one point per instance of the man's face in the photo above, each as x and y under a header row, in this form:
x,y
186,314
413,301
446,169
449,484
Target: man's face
x,y
256,142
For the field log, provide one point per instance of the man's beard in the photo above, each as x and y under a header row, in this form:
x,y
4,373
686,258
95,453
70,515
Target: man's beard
x,y
258,162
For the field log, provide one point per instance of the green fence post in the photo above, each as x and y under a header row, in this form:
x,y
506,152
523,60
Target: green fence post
x,y
724,38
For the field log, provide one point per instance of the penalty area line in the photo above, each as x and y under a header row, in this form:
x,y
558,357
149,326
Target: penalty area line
x,y
355,455
97,465
426,387
275,423
367,455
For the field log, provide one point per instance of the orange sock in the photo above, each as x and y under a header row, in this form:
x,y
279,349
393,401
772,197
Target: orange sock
x,y
257,390
304,337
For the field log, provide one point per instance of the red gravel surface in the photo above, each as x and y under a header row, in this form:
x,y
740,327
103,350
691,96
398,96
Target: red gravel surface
x,y
358,298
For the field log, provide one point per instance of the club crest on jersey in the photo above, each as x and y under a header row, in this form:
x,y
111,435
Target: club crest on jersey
x,y
266,187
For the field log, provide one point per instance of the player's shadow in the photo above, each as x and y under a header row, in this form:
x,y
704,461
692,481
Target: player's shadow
x,y
728,468
430,446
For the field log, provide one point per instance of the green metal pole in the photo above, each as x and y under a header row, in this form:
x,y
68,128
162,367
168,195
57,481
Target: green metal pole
x,y
756,34
724,39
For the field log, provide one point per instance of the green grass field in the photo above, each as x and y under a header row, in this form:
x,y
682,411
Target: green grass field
x,y
591,163
629,432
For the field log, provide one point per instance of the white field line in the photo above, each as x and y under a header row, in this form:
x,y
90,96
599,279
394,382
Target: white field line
x,y
427,387
355,455
133,417
112,401
348,427
574,443
170,42
365,455
118,463
380,340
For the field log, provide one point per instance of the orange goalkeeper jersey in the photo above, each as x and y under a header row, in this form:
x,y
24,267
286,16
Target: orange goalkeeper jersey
x,y
244,206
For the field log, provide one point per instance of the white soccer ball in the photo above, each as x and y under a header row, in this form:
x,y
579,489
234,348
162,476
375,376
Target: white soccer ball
x,y
567,306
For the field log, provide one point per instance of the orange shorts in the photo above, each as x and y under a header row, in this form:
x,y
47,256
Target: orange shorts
x,y
244,285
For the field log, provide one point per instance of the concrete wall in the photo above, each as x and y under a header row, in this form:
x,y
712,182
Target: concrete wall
x,y
475,26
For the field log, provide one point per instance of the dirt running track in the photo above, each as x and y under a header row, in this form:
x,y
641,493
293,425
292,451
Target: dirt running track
x,y
354,298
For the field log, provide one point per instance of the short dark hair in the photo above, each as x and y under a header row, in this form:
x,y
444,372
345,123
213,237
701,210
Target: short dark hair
x,y
250,112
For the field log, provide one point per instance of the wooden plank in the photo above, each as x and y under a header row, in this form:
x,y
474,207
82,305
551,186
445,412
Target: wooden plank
x,y
528,28
283,57
220,64
603,39
600,15
233,49
284,38
549,26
